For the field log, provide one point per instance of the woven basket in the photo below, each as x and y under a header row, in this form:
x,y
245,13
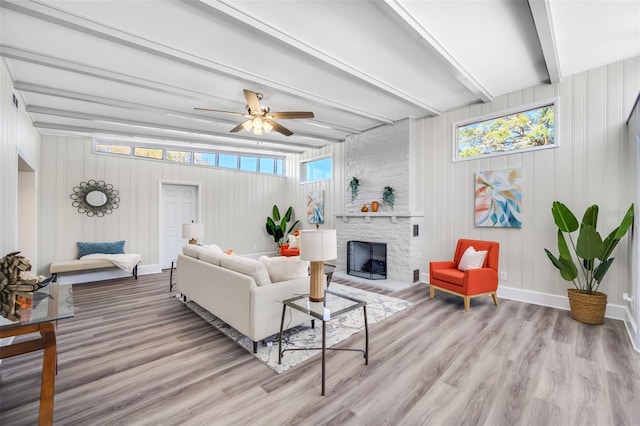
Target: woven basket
x,y
587,308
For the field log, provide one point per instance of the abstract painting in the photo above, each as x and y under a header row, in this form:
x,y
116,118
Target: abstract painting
x,y
315,207
499,198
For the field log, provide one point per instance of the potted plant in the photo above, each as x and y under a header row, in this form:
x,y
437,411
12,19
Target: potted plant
x,y
277,226
389,196
354,186
593,255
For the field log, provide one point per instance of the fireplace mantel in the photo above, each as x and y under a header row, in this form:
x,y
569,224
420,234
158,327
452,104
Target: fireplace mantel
x,y
393,216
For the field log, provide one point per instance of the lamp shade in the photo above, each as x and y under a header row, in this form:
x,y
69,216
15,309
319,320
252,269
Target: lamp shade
x,y
192,230
318,245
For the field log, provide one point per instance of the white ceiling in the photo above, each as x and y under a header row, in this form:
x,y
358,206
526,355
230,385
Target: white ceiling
x,y
136,69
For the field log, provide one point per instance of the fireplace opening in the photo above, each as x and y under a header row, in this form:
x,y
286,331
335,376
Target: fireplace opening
x,y
367,260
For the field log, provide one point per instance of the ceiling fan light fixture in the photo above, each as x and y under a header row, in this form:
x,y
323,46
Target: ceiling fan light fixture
x,y
257,123
266,126
257,131
248,125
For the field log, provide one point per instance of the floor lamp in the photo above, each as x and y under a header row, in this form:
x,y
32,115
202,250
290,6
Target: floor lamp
x,y
318,246
193,231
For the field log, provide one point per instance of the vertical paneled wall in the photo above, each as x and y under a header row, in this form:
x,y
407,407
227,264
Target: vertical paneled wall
x,y
586,168
233,205
17,136
334,189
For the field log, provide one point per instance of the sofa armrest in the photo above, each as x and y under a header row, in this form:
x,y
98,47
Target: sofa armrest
x,y
480,280
266,306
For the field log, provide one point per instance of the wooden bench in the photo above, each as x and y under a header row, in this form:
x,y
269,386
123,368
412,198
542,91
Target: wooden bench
x,y
78,265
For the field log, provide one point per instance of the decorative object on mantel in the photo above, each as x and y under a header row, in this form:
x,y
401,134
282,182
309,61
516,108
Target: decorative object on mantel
x,y
389,196
318,246
95,198
374,206
277,227
16,283
315,207
354,186
364,208
593,254
499,198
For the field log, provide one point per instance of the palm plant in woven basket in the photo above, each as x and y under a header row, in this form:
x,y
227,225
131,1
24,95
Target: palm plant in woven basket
x,y
593,255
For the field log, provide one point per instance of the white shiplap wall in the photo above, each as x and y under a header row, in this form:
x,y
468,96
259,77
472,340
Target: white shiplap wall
x,y
334,189
234,205
587,168
17,135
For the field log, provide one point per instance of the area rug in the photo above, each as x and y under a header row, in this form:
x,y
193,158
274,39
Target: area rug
x,y
379,307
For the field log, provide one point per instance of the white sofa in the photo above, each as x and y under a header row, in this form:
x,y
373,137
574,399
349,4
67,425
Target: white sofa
x,y
240,291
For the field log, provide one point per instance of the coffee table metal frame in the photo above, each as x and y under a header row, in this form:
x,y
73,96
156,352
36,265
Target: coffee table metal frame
x,y
316,311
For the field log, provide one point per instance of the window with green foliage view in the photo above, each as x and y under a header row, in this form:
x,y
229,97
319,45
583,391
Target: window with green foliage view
x,y
529,128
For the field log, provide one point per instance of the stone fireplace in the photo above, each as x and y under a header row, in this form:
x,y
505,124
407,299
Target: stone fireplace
x,y
384,157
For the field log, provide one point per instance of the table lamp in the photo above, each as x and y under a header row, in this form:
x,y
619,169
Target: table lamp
x,y
193,231
317,246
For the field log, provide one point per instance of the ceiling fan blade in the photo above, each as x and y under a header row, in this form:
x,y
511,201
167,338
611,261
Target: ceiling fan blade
x,y
291,115
252,101
279,128
238,127
241,114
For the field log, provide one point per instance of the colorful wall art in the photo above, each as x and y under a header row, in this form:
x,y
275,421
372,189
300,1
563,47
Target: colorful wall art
x,y
315,207
499,198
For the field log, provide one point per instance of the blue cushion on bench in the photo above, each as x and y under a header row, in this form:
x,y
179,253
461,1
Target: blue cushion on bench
x,y
116,247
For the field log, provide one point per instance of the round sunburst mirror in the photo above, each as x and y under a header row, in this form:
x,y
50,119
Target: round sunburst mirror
x,y
95,198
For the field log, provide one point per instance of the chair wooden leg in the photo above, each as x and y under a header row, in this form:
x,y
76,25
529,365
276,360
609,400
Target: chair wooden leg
x,y
432,292
467,302
495,298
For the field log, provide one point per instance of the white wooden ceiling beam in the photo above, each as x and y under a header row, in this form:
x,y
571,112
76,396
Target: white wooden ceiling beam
x,y
455,67
543,19
229,9
50,13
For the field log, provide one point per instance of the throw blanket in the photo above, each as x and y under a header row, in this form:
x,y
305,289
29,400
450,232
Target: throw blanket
x,y
126,261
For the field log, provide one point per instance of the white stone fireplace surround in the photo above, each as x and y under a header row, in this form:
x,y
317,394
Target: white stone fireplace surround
x,y
383,157
404,251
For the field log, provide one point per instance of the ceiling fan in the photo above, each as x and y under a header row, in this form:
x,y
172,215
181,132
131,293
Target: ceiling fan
x,y
260,119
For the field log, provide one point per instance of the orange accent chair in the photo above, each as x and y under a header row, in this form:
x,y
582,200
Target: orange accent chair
x,y
286,251
446,276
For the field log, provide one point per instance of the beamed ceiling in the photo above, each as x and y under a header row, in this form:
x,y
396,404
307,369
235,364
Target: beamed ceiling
x,y
135,70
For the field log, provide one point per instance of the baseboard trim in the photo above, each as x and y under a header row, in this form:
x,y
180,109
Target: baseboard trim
x,y
107,274
554,301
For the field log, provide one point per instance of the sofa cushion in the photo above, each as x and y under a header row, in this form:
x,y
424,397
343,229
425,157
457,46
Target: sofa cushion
x,y
472,259
285,268
192,250
212,256
213,247
453,276
247,266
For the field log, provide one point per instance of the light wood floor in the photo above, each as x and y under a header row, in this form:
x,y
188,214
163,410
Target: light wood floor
x,y
135,355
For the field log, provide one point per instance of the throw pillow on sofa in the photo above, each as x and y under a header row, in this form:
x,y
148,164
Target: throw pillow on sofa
x,y
247,266
285,268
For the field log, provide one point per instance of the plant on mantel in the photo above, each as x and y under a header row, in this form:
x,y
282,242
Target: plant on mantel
x,y
354,186
389,196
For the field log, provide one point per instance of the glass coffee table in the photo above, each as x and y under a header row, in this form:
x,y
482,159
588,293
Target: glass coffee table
x,y
50,304
333,306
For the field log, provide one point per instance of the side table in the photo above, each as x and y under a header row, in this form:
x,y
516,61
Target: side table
x,y
333,306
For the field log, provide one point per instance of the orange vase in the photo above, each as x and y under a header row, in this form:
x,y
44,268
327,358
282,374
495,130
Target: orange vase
x,y
374,206
364,209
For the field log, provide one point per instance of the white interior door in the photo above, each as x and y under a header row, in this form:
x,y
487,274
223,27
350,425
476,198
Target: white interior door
x,y
179,204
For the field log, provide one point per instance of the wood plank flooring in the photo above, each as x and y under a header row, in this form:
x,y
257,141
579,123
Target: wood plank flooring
x,y
134,355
